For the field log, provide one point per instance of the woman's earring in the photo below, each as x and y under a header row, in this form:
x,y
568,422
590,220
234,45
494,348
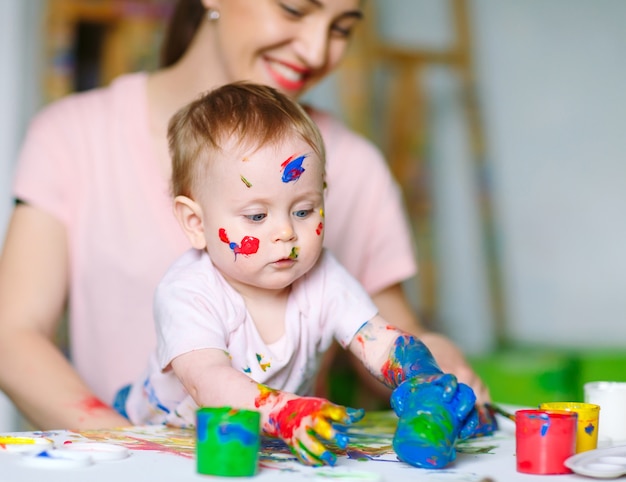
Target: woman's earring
x,y
212,15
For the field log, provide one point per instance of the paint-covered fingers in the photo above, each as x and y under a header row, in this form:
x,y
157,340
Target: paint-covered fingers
x,y
304,423
446,388
464,404
309,450
328,431
341,414
487,423
330,424
449,384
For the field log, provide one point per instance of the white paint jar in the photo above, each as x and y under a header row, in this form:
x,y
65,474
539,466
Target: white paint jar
x,y
611,396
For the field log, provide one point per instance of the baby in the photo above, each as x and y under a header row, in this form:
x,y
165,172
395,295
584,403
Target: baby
x,y
244,317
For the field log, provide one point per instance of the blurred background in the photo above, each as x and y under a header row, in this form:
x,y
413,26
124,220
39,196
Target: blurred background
x,y
505,124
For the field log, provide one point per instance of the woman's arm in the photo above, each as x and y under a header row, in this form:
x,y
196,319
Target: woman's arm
x,y
306,424
33,290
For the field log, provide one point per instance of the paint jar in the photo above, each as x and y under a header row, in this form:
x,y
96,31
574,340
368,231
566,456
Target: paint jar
x,y
587,425
544,439
611,396
228,441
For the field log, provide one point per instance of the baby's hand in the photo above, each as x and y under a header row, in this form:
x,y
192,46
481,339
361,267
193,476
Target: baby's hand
x,y
306,424
447,384
433,415
457,397
487,423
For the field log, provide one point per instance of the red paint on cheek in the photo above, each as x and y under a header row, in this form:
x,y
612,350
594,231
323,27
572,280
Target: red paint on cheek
x,y
249,245
290,417
223,236
319,229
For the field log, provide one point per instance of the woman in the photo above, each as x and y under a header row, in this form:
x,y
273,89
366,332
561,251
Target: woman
x,y
93,229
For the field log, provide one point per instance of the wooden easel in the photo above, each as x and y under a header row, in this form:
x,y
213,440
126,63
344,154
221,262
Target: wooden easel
x,y
403,136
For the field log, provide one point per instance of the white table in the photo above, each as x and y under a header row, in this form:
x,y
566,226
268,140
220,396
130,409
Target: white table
x,y
164,454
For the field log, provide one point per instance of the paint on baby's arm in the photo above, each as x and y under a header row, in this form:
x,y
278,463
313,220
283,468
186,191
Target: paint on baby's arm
x,y
265,393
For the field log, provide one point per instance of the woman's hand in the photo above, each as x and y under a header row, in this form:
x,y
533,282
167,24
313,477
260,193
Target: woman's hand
x,y
308,426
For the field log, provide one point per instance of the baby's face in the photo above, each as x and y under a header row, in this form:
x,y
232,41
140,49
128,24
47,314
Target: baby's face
x,y
263,214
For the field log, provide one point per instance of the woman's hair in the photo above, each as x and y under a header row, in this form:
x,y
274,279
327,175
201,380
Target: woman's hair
x,y
182,27
238,115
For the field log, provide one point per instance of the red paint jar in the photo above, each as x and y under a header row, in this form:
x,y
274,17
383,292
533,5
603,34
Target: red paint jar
x,y
544,439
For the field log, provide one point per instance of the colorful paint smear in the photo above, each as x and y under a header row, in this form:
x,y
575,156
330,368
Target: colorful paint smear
x,y
370,441
295,251
245,181
292,168
249,245
265,393
302,422
264,366
409,358
319,228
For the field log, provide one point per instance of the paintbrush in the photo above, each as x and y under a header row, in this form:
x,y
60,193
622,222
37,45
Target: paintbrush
x,y
495,408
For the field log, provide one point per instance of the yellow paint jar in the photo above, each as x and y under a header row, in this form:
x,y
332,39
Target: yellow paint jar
x,y
587,425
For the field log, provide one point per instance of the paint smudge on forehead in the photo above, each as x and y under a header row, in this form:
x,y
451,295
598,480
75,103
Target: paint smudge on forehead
x,y
245,181
249,245
292,168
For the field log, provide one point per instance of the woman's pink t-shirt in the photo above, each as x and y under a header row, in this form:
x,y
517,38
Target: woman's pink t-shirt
x,y
88,160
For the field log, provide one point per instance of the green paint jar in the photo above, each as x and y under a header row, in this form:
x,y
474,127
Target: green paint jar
x,y
228,441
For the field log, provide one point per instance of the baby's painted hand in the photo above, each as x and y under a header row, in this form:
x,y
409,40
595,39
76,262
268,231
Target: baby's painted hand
x,y
433,415
487,423
308,425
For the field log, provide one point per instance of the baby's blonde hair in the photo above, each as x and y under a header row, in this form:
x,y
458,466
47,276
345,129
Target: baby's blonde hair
x,y
247,114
